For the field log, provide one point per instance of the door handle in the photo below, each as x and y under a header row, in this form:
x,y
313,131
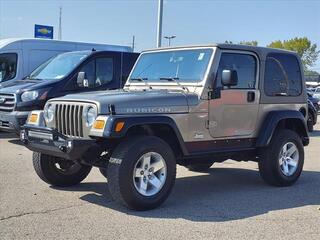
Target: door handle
x,y
251,96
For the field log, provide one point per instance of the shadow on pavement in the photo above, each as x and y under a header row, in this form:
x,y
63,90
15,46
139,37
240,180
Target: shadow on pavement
x,y
11,137
16,141
223,194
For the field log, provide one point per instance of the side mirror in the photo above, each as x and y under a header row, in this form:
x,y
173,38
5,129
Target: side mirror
x,y
82,80
229,78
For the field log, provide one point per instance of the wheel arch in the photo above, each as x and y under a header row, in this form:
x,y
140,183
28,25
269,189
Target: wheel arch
x,y
163,127
293,120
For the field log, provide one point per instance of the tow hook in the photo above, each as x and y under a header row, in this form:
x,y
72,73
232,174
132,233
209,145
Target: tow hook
x,y
63,148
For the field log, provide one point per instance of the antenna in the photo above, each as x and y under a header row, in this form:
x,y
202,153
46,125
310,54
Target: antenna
x,y
133,43
60,24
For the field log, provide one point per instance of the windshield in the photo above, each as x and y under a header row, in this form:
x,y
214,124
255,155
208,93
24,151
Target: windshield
x,y
59,66
183,65
8,66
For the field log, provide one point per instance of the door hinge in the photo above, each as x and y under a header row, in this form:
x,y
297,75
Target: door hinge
x,y
207,124
211,124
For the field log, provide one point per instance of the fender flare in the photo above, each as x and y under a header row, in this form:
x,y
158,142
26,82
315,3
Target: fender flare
x,y
133,121
272,121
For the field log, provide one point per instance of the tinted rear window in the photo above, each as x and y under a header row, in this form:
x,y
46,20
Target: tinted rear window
x,y
282,75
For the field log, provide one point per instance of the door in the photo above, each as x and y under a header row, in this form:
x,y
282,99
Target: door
x,y
102,72
235,113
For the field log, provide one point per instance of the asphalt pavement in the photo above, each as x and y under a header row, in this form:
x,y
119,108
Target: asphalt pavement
x,y
230,201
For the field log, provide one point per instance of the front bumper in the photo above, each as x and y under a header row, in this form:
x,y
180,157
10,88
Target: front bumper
x,y
12,121
50,142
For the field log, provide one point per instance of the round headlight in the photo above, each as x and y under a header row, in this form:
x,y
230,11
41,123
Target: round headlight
x,y
91,116
29,96
49,112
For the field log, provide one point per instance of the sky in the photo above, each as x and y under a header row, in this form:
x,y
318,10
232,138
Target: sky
x,y
192,21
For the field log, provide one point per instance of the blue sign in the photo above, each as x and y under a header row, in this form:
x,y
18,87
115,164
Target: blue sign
x,y
41,31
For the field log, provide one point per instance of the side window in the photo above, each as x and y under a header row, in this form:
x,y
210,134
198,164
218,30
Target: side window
x,y
89,69
104,71
98,71
8,66
244,64
282,75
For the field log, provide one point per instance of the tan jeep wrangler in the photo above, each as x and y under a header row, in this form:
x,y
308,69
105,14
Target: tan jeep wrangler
x,y
191,106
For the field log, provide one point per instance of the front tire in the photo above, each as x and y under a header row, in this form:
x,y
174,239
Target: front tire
x,y
59,172
282,161
141,172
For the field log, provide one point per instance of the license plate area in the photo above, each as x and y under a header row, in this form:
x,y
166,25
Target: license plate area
x,y
40,135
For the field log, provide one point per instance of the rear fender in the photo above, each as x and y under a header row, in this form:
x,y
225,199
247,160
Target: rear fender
x,y
293,120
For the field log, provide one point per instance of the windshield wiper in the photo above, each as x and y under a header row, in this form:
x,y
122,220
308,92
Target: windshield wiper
x,y
144,80
30,78
174,79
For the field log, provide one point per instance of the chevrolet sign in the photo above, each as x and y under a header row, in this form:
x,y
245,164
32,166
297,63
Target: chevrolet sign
x,y
41,31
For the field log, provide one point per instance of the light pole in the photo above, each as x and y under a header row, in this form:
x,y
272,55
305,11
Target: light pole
x,y
169,38
60,23
159,26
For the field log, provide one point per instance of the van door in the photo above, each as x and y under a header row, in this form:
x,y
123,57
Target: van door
x,y
235,113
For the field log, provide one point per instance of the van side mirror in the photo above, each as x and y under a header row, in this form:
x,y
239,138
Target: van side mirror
x,y
82,80
229,78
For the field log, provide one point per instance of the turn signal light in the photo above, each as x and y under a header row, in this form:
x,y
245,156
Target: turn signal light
x,y
119,126
33,118
99,124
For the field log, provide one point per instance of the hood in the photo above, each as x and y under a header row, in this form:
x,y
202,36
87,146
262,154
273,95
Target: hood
x,y
17,86
128,101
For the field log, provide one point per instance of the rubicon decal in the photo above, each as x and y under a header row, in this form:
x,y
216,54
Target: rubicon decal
x,y
149,110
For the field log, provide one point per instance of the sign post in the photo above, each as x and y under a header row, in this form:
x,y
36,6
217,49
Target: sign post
x,y
41,31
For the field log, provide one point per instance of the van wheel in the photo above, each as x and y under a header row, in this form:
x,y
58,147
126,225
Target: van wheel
x,y
199,167
282,161
59,172
141,172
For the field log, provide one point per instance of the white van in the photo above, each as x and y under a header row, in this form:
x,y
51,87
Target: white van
x,y
19,57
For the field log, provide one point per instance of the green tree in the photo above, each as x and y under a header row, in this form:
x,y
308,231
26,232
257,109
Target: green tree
x,y
250,43
303,46
311,72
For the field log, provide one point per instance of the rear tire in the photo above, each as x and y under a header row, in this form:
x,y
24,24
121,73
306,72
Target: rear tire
x,y
310,123
282,161
141,172
59,172
199,167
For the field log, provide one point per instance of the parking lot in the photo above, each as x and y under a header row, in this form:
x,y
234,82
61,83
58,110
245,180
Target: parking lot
x,y
228,202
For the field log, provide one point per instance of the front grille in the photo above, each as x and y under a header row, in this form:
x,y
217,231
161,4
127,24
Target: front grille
x,y
7,102
69,119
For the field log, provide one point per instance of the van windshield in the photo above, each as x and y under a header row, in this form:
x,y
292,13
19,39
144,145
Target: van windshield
x,y
8,66
58,66
185,65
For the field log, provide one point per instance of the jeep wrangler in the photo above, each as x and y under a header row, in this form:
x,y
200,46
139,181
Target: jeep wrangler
x,y
191,106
